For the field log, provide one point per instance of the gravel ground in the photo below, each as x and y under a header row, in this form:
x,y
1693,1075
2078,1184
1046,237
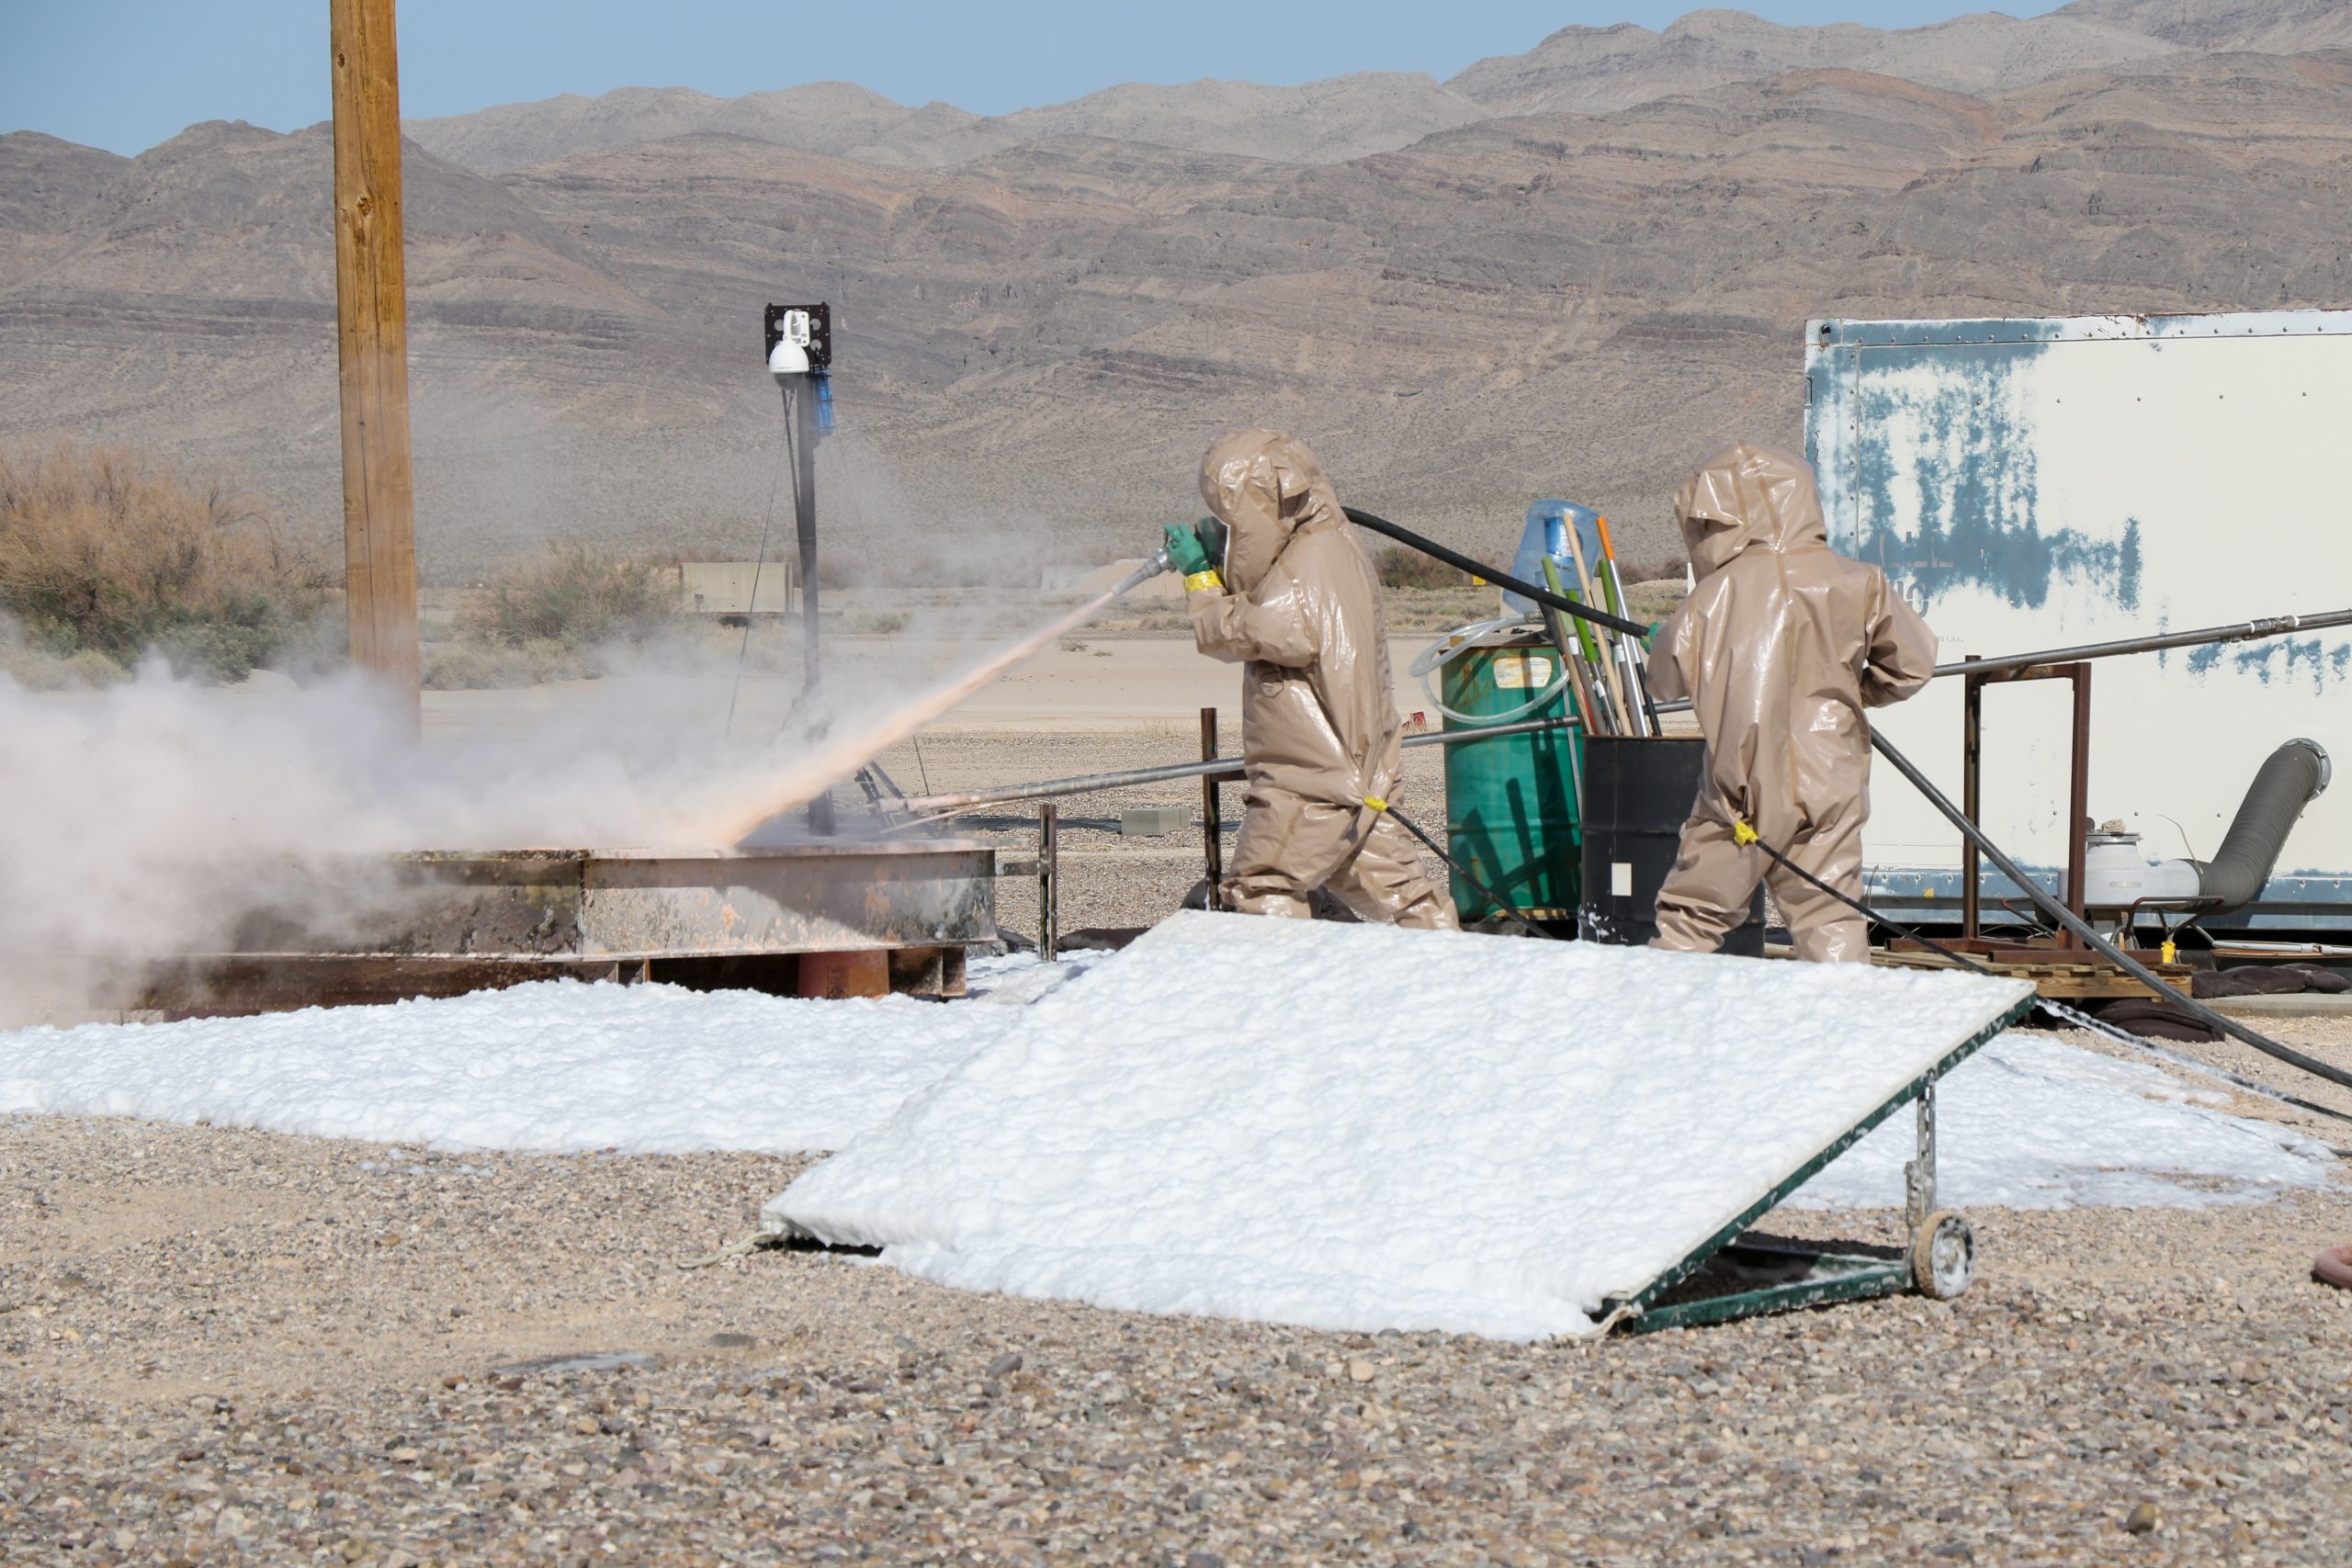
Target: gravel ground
x,y
221,1346
227,1345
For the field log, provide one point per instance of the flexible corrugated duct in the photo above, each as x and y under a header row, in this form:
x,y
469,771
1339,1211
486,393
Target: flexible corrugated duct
x,y
2290,778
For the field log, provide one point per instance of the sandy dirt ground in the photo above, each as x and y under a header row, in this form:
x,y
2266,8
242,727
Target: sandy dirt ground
x,y
224,1345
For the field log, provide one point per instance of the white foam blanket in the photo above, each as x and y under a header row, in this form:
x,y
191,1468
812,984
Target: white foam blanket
x,y
2027,1123
1357,1127
554,1065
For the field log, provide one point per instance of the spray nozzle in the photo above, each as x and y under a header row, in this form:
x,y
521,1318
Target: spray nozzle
x,y
1192,549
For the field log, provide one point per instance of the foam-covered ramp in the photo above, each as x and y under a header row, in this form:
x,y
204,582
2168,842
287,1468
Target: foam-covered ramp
x,y
1355,1127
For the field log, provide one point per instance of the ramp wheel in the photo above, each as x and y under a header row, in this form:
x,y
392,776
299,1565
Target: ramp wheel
x,y
1943,1255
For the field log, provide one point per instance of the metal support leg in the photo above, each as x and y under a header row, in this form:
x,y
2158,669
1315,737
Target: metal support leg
x,y
1212,814
1919,1173
1943,1244
2078,795
1048,883
1971,755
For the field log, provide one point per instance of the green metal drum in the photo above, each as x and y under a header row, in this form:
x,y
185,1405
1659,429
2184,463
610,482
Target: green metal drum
x,y
1512,801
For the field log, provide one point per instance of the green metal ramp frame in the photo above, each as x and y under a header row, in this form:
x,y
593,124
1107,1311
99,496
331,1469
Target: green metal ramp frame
x,y
1939,1260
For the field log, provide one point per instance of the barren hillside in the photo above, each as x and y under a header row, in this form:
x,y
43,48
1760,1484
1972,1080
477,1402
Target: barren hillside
x,y
1593,70
2278,27
1319,122
1038,341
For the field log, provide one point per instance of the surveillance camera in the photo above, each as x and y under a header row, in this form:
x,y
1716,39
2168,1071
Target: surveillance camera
x,y
790,354
800,339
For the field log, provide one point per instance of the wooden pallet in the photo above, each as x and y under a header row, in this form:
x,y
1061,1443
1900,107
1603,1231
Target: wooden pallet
x,y
2082,980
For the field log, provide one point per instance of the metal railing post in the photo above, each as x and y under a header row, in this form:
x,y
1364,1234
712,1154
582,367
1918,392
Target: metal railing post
x,y
1048,882
2078,796
1212,812
1971,756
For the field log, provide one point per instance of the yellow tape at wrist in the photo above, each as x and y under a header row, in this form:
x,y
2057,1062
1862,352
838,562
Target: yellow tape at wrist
x,y
1375,803
1201,580
1743,835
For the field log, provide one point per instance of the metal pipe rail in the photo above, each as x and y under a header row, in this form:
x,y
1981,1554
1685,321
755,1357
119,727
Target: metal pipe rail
x,y
2237,631
1230,768
2246,631
1221,768
2081,929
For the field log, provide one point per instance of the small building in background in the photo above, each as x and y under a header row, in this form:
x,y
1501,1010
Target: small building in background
x,y
735,590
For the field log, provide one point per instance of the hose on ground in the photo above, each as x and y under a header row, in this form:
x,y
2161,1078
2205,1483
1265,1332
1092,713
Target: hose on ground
x,y
1919,781
1518,917
2100,945
2080,1020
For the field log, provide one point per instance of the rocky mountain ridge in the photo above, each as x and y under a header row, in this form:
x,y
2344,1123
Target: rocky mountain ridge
x,y
1578,70
1036,341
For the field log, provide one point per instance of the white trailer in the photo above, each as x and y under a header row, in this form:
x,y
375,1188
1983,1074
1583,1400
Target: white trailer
x,y
735,590
2040,483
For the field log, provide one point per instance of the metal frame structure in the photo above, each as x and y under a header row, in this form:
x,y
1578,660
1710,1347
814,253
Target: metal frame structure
x,y
1771,1277
2078,788
824,918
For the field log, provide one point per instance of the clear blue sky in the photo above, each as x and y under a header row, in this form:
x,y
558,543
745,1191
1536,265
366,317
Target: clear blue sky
x,y
125,75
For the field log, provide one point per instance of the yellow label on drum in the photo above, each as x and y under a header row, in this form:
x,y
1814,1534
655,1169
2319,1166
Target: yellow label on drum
x,y
1522,671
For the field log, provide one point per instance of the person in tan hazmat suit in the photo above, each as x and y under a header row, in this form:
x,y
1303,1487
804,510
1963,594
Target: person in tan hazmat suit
x,y
1296,604
1780,647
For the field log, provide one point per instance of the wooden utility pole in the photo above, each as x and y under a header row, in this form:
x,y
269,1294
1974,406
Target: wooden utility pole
x,y
371,340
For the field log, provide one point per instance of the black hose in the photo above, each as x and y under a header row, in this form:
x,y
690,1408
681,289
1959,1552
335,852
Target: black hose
x,y
1524,921
2289,780
2081,927
2065,1014
1460,562
1936,797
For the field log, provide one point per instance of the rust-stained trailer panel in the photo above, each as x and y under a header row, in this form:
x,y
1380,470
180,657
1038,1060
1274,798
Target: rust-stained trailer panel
x,y
2041,482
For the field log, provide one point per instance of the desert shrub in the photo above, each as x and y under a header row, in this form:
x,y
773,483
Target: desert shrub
x,y
104,552
481,666
466,667
573,597
39,670
1400,567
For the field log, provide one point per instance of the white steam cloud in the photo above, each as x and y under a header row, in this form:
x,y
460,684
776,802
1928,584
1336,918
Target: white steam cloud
x,y
157,818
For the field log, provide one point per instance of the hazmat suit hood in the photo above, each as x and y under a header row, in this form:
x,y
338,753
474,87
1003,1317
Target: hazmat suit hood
x,y
1749,497
1781,648
1299,610
1265,486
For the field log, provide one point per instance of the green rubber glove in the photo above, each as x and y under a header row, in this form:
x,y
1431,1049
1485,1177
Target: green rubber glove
x,y
1215,537
1185,553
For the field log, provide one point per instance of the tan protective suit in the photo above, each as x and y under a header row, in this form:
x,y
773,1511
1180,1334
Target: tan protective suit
x,y
1300,611
1779,647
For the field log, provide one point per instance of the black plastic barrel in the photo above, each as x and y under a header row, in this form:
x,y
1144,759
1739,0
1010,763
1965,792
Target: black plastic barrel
x,y
1637,794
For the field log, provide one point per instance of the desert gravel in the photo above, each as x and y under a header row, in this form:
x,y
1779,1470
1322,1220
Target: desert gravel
x,y
220,1346
224,1346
